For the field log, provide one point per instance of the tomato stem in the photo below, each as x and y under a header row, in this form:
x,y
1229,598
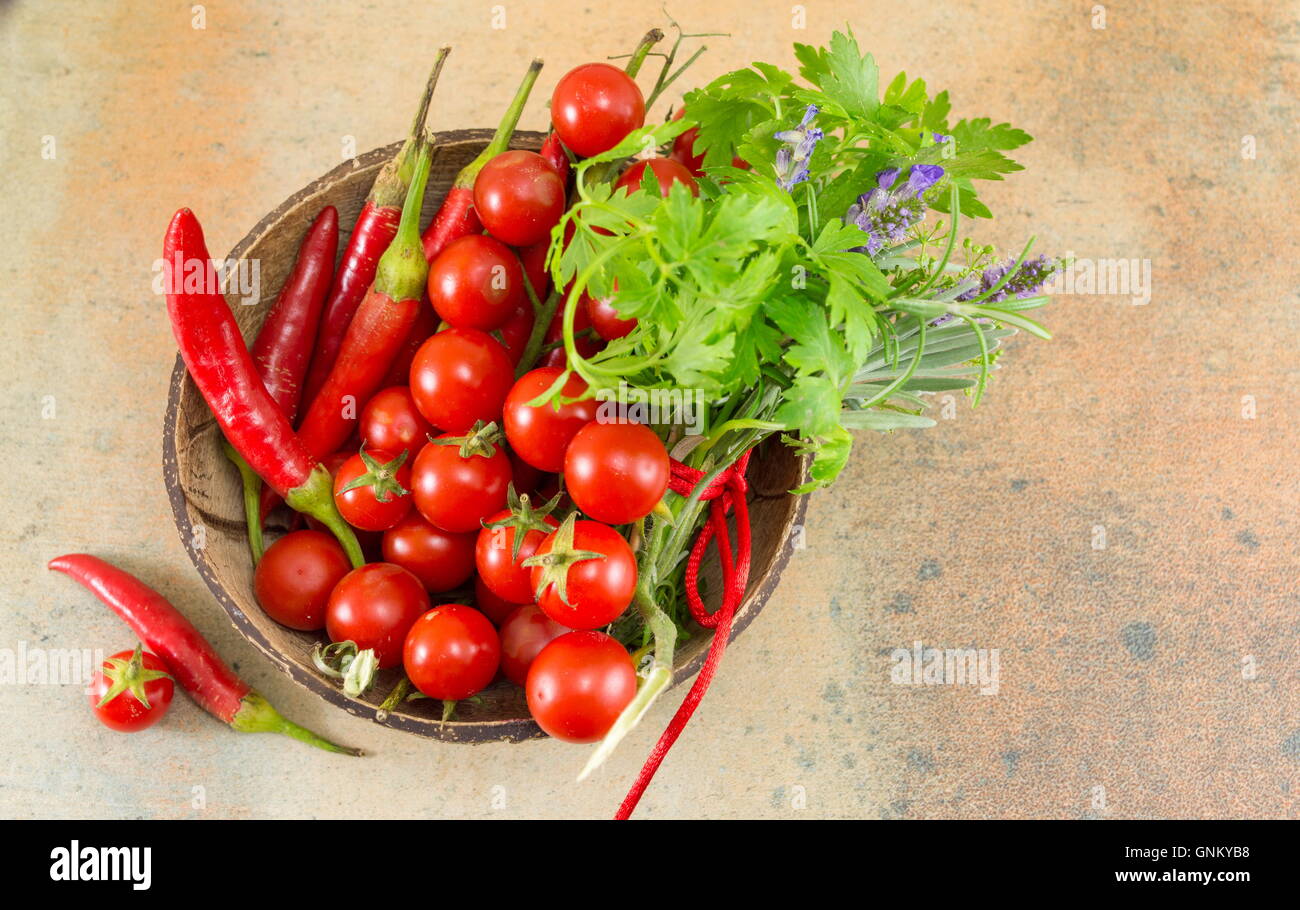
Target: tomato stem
x,y
252,485
541,322
649,40
394,699
130,676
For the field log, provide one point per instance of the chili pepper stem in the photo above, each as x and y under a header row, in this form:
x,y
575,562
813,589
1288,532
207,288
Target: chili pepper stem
x,y
403,270
392,182
257,715
505,129
315,497
252,485
407,156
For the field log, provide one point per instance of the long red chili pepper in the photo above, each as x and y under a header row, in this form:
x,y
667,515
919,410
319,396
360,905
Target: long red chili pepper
x,y
214,353
456,217
374,231
426,323
283,349
284,344
378,330
189,658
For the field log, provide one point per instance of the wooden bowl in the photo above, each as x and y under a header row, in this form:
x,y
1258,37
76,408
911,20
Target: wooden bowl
x,y
205,492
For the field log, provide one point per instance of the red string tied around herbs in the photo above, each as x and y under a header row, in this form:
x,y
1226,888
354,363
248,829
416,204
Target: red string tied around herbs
x,y
724,493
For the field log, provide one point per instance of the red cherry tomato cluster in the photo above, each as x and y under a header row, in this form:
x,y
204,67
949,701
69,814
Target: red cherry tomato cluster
x,y
515,512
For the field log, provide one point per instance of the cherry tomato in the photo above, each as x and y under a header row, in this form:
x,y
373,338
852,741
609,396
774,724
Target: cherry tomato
x,y
491,606
523,635
374,606
295,576
456,493
579,684
605,319
533,259
391,422
380,494
451,652
131,691
514,334
666,171
684,150
597,589
526,477
616,472
460,376
499,564
440,559
594,106
540,435
519,197
584,341
476,283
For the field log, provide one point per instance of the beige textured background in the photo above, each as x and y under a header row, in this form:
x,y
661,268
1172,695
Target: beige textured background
x,y
1121,667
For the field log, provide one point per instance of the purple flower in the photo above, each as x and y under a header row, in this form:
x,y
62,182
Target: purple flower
x,y
1027,281
940,138
885,214
792,158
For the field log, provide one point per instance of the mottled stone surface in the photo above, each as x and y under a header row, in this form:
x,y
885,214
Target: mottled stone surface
x,y
1108,519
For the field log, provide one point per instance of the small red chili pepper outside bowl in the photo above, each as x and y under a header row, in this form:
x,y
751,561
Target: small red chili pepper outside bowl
x,y
204,488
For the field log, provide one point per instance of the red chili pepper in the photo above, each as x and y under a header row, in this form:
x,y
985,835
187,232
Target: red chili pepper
x,y
426,323
456,217
214,353
189,658
283,349
284,344
380,327
553,151
374,231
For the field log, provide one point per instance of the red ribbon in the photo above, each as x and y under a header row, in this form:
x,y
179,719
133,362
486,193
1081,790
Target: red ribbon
x,y
725,492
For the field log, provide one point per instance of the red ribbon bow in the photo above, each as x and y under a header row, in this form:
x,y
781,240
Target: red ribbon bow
x,y
725,492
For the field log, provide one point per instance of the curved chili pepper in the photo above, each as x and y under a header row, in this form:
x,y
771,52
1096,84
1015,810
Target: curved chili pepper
x,y
456,217
214,353
283,349
374,231
194,664
378,329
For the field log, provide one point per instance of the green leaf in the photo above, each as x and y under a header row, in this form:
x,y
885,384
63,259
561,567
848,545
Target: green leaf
x,y
873,419
816,348
811,406
973,135
843,73
830,455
